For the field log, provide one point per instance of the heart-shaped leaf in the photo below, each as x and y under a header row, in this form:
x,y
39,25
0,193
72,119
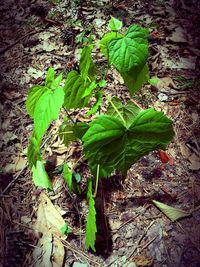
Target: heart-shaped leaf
x,y
114,24
128,111
47,110
130,51
113,145
103,44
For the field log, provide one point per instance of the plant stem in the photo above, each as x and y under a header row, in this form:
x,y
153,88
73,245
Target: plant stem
x,y
69,116
97,181
68,132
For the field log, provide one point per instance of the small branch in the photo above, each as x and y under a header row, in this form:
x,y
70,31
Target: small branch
x,y
69,116
14,180
2,51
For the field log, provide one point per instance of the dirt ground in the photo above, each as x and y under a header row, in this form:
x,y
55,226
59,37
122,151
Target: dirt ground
x,y
132,231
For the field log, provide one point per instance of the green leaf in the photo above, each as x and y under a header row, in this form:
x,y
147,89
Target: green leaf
x,y
33,153
128,111
172,213
74,89
33,96
67,176
50,77
90,89
80,128
135,79
114,24
65,230
103,44
77,177
40,177
50,81
99,99
102,83
47,109
87,67
91,228
131,51
153,81
112,145
55,84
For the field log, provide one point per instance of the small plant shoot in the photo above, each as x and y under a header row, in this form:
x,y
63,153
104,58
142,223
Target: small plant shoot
x,y
113,140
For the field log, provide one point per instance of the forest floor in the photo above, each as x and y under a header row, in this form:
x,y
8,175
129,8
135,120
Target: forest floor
x,y
132,231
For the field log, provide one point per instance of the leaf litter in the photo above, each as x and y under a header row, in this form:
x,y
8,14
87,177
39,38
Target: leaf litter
x,y
153,177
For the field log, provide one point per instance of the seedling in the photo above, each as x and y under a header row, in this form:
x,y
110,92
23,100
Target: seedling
x,y
112,141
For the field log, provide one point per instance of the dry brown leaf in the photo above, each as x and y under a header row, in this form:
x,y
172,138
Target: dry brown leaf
x,y
11,95
142,261
178,36
165,82
61,150
50,250
6,137
60,159
195,162
18,164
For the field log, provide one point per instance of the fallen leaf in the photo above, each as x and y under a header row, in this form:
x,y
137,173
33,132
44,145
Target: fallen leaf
x,y
172,213
49,250
182,63
163,156
60,159
194,162
165,82
79,264
35,73
162,97
6,124
17,165
61,150
7,137
178,36
11,95
142,261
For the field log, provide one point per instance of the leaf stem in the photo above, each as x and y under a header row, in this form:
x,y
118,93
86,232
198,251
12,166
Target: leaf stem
x,y
97,181
69,116
120,115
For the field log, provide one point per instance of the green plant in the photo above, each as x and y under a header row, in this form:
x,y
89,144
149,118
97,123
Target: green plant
x,y
111,141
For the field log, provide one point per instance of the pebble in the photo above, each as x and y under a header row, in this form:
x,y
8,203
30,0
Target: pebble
x,y
162,97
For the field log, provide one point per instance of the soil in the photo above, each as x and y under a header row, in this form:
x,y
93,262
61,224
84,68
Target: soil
x,y
132,231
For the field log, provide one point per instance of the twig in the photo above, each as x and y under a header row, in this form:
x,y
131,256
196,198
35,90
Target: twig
x,y
2,51
140,239
79,252
148,243
14,180
131,219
